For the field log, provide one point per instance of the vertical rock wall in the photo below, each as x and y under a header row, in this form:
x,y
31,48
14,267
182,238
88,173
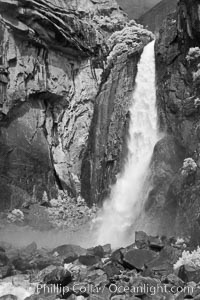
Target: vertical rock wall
x,y
175,165
55,62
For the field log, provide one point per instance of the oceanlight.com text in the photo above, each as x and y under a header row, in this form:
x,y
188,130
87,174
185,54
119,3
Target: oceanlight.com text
x,y
79,288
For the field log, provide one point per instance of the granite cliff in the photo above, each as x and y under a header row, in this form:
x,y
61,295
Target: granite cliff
x,y
153,18
136,8
173,201
65,75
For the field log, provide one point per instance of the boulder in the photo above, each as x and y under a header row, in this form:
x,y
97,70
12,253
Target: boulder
x,y
97,251
155,243
188,273
138,259
6,267
6,271
163,263
141,240
150,289
89,260
69,252
24,261
172,279
40,277
3,259
58,275
97,277
117,256
112,269
107,249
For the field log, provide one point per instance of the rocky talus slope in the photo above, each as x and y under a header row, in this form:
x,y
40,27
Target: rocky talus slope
x,y
147,269
175,164
65,75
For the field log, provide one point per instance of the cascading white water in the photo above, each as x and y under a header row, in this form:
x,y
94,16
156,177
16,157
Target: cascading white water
x,y
124,205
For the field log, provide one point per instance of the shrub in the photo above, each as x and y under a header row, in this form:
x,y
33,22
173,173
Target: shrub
x,y
189,258
193,54
189,167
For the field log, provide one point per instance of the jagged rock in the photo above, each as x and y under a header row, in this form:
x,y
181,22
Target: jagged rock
x,y
107,249
58,275
112,269
96,251
89,260
97,278
155,243
6,267
172,279
69,252
163,264
6,271
139,283
138,259
3,259
117,256
40,277
189,274
39,260
141,239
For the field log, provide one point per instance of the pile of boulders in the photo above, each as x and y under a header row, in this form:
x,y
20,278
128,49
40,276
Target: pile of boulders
x,y
143,270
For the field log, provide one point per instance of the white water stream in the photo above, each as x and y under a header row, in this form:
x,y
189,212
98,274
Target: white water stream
x,y
123,207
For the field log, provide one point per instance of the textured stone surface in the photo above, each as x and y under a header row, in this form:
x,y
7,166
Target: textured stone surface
x,y
107,140
52,56
175,192
136,8
153,18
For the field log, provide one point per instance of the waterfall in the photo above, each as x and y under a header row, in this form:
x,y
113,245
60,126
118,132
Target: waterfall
x,y
123,207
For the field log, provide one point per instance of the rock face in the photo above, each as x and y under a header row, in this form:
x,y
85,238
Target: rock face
x,y
51,60
136,8
107,140
153,18
175,163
